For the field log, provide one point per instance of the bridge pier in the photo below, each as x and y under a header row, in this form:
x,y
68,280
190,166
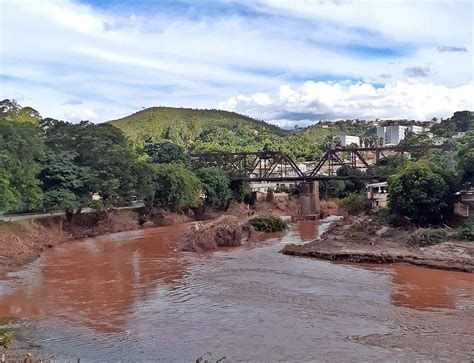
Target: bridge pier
x,y
309,200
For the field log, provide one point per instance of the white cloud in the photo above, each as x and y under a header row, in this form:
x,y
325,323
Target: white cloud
x,y
117,62
313,101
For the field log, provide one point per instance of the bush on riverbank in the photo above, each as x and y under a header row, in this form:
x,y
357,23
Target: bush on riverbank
x,y
424,237
268,224
466,231
355,204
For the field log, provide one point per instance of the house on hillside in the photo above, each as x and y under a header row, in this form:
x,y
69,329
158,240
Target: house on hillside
x,y
464,205
377,194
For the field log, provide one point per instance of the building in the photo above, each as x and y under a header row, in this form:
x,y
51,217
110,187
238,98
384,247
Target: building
x,y
392,135
377,194
465,202
347,140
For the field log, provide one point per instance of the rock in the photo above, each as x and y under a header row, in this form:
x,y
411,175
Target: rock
x,y
382,231
226,232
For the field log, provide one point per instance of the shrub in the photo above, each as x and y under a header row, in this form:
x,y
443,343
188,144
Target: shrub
x,y
428,237
6,337
355,203
466,231
268,224
382,216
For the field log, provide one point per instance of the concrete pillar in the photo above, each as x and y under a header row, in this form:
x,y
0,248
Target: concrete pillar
x,y
309,199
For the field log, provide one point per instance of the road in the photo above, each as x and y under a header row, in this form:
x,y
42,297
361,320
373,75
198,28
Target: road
x,y
26,216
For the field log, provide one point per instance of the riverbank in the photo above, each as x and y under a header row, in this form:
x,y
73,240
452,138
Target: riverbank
x,y
361,239
22,242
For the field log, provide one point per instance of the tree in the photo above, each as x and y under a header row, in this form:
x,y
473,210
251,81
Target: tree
x,y
11,111
466,158
9,200
418,193
65,184
165,152
103,150
21,147
352,185
144,173
215,185
176,187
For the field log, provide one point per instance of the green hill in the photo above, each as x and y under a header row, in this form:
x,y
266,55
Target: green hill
x,y
185,125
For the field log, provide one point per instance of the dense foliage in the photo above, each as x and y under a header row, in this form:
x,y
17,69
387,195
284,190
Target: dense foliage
x,y
461,121
52,164
21,148
215,185
355,203
418,192
175,187
268,224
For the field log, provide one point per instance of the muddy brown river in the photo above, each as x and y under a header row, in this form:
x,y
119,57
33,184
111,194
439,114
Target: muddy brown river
x,y
132,297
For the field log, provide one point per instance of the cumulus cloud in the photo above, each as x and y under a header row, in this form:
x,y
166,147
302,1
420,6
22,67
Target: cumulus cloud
x,y
313,101
118,59
85,114
449,48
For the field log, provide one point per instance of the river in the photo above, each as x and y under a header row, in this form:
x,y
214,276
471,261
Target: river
x,y
132,297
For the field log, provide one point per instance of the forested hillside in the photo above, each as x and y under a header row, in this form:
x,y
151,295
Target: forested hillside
x,y
184,125
214,130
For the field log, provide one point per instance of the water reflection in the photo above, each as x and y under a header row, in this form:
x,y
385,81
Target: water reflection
x,y
96,282
132,297
307,230
424,288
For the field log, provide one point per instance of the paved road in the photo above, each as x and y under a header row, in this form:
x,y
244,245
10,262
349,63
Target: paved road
x,y
25,216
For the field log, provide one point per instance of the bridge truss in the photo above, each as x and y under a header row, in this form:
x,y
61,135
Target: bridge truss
x,y
277,166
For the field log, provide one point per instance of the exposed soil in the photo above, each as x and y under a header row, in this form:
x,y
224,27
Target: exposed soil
x,y
226,231
360,239
22,242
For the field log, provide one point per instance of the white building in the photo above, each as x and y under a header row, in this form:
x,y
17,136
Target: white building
x,y
392,135
347,140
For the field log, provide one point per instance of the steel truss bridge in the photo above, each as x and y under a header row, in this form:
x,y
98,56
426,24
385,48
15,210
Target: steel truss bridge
x,y
273,166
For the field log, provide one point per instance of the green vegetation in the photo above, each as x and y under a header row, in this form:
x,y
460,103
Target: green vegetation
x,y
52,164
418,192
466,231
214,130
461,121
268,224
175,187
165,152
6,337
21,148
428,237
215,185
184,125
355,203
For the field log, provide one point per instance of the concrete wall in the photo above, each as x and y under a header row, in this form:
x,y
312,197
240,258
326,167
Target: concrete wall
x,y
309,199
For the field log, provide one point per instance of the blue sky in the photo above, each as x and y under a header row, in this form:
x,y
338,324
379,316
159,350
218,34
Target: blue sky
x,y
287,62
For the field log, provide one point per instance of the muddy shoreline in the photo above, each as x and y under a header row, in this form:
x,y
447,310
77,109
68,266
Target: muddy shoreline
x,y
359,239
22,242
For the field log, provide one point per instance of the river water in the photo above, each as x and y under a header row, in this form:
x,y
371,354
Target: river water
x,y
132,297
